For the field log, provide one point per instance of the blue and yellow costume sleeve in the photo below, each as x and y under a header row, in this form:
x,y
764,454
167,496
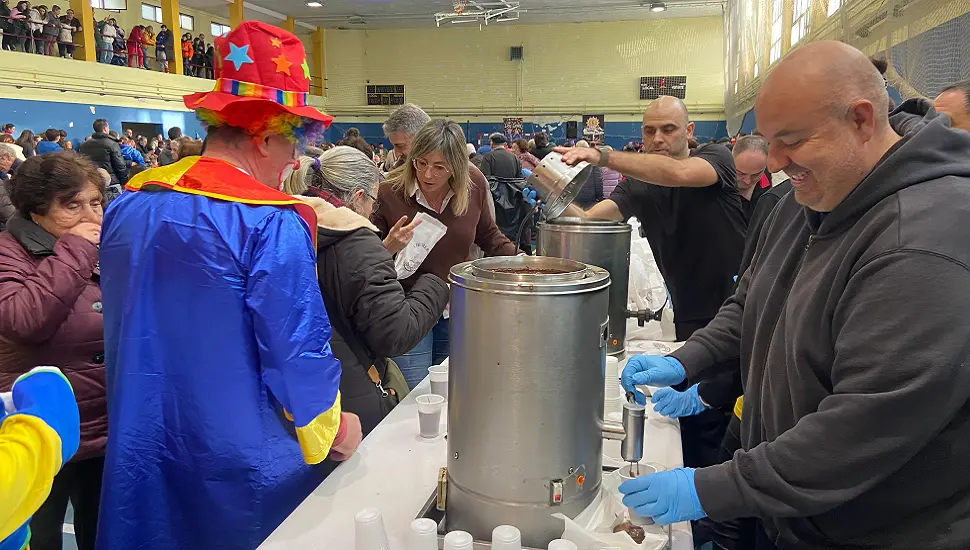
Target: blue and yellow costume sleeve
x,y
293,333
35,442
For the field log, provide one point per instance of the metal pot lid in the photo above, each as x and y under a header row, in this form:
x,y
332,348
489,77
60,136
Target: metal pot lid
x,y
529,275
558,184
579,225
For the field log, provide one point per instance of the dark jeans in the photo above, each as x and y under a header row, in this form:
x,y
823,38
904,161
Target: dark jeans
x,y
80,483
431,350
65,49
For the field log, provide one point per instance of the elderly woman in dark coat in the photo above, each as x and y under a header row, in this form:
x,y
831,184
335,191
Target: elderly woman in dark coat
x,y
373,318
50,314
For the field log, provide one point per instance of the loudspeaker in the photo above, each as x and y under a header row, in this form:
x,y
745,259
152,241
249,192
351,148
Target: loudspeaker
x,y
572,129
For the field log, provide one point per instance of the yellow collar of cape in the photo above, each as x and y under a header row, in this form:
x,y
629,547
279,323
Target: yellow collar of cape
x,y
220,180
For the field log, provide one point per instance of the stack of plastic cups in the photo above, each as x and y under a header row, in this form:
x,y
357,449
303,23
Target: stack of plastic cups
x,y
459,540
369,533
612,391
423,535
562,544
506,537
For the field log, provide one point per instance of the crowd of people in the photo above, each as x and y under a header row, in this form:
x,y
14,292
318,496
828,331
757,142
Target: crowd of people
x,y
813,270
51,31
38,29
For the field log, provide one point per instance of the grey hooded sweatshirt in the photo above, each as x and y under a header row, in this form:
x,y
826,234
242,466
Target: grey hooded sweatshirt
x,y
854,339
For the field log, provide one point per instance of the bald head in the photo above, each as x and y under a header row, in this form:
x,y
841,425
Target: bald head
x,y
824,111
667,128
830,74
669,107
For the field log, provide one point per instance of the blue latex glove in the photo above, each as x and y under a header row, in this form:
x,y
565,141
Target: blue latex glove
x,y
651,370
675,404
530,195
667,497
44,392
526,172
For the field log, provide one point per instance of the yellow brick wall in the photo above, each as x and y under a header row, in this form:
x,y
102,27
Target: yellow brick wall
x,y
586,67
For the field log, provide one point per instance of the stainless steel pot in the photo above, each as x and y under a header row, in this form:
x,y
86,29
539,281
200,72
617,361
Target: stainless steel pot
x,y
557,184
601,243
526,370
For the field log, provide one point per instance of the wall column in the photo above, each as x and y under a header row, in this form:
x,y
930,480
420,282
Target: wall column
x,y
289,24
318,66
170,18
87,46
236,13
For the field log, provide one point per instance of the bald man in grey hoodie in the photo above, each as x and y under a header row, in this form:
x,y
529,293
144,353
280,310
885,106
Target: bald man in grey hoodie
x,y
851,327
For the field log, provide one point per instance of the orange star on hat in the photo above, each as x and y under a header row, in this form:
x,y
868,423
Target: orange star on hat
x,y
256,79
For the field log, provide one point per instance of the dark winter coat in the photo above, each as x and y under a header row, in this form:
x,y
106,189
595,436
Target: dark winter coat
x,y
105,152
363,295
50,314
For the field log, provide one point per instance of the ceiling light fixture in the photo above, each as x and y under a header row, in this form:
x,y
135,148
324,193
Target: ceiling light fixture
x,y
658,7
314,4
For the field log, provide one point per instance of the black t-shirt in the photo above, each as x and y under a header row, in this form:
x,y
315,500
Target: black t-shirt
x,y
696,233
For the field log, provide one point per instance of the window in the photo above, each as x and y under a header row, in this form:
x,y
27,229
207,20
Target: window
x,y
186,22
834,6
151,13
799,28
114,5
218,29
775,52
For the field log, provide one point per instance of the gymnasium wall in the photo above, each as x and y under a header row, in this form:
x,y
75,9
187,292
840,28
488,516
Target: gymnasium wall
x,y
568,70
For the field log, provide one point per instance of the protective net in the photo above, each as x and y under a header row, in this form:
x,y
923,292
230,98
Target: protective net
x,y
926,43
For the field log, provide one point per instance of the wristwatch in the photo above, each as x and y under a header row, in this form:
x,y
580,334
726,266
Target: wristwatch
x,y
604,157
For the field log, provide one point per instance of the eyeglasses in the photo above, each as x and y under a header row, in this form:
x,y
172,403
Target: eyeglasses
x,y
376,204
437,170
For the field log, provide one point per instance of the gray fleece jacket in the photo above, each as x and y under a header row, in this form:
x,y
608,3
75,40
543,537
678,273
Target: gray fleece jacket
x,y
854,339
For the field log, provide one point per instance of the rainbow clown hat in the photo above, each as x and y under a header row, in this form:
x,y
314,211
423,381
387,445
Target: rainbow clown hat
x,y
264,72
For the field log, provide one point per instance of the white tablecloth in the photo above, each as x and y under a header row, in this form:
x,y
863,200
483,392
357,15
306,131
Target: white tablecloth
x,y
396,471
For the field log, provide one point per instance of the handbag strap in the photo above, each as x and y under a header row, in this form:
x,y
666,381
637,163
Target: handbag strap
x,y
364,357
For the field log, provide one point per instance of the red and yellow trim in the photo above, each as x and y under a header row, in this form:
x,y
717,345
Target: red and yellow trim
x,y
220,180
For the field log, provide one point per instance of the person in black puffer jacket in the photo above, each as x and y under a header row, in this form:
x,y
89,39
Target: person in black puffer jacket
x,y
105,152
371,315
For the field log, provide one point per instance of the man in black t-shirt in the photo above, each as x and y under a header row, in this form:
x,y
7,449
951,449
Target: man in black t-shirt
x,y
688,206
690,212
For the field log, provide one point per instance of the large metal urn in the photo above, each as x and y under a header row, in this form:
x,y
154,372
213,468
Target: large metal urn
x,y
528,352
601,243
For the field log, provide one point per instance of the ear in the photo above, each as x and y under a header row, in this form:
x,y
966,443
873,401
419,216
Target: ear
x,y
862,117
690,129
261,145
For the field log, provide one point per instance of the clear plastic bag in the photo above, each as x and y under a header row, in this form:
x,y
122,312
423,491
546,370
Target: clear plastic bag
x,y
647,289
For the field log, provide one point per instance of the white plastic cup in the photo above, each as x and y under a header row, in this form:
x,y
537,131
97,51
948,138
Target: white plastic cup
x,y
459,540
369,533
562,544
506,537
626,475
429,414
439,380
423,535
613,405
612,377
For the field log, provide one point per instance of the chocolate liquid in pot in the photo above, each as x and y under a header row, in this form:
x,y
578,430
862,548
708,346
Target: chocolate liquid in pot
x,y
532,270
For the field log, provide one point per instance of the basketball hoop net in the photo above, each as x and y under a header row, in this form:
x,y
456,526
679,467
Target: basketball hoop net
x,y
459,5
